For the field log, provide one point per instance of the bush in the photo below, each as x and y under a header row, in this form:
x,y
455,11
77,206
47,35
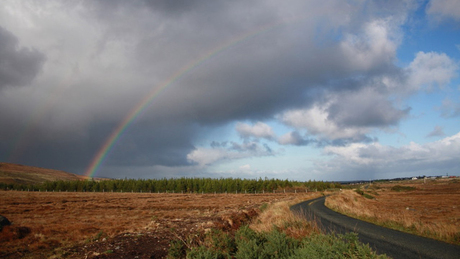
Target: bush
x,y
400,188
275,244
248,242
278,245
332,246
365,195
218,240
203,252
176,249
214,245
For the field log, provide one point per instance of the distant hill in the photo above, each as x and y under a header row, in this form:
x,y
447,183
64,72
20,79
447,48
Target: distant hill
x,y
21,174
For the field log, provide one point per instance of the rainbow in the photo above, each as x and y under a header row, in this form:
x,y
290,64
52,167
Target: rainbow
x,y
148,99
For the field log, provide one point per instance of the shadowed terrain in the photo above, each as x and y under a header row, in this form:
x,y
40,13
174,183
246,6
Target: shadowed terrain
x,y
22,174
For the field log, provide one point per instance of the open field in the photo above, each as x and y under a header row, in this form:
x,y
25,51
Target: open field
x,y
107,225
142,225
430,209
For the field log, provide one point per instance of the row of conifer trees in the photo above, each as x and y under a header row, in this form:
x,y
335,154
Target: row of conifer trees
x,y
177,185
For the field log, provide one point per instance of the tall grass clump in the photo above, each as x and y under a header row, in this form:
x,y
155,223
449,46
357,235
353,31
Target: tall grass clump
x,y
365,195
400,188
279,216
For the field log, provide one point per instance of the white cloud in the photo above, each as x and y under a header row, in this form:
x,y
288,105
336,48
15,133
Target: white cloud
x,y
444,9
431,69
258,130
293,138
372,48
346,115
354,113
207,156
316,121
379,161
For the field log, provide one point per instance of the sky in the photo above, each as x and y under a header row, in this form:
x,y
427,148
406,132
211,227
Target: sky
x,y
300,90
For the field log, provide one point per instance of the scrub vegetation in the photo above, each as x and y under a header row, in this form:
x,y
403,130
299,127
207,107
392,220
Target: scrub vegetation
x,y
248,244
274,233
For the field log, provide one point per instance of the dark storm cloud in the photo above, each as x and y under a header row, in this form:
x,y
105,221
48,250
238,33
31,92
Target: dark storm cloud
x,y
296,54
277,70
166,143
365,110
18,65
179,6
142,145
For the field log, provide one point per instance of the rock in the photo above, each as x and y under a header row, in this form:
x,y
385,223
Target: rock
x,y
4,222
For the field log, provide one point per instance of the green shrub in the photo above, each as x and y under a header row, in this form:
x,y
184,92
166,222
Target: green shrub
x,y
176,249
219,240
249,243
368,196
365,195
332,246
400,188
277,245
263,207
203,252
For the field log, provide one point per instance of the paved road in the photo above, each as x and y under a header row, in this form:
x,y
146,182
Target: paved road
x,y
393,243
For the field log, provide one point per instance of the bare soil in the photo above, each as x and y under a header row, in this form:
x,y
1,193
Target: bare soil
x,y
117,225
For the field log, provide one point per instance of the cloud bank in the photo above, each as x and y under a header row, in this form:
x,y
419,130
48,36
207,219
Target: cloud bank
x,y
326,70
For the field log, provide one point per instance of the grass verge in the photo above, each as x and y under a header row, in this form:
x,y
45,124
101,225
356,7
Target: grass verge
x,y
353,204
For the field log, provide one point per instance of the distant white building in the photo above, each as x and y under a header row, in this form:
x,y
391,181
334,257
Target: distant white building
x,y
414,178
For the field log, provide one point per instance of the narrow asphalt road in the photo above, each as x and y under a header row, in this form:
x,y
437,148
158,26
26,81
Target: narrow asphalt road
x,y
393,243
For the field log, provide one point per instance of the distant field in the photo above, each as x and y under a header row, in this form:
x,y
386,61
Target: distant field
x,y
430,209
57,220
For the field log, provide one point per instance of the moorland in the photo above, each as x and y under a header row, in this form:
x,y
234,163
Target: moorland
x,y
425,207
94,221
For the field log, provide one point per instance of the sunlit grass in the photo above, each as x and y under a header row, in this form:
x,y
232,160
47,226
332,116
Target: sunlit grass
x,y
417,213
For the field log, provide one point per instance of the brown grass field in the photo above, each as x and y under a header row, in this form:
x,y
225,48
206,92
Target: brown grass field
x,y
112,225
142,225
432,209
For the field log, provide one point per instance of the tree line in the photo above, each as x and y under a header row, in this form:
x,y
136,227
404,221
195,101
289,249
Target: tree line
x,y
176,185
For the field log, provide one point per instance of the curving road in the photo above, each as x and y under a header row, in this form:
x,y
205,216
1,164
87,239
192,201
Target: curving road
x,y
393,243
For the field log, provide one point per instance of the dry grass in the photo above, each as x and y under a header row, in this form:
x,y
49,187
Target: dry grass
x,y
278,215
431,210
57,220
